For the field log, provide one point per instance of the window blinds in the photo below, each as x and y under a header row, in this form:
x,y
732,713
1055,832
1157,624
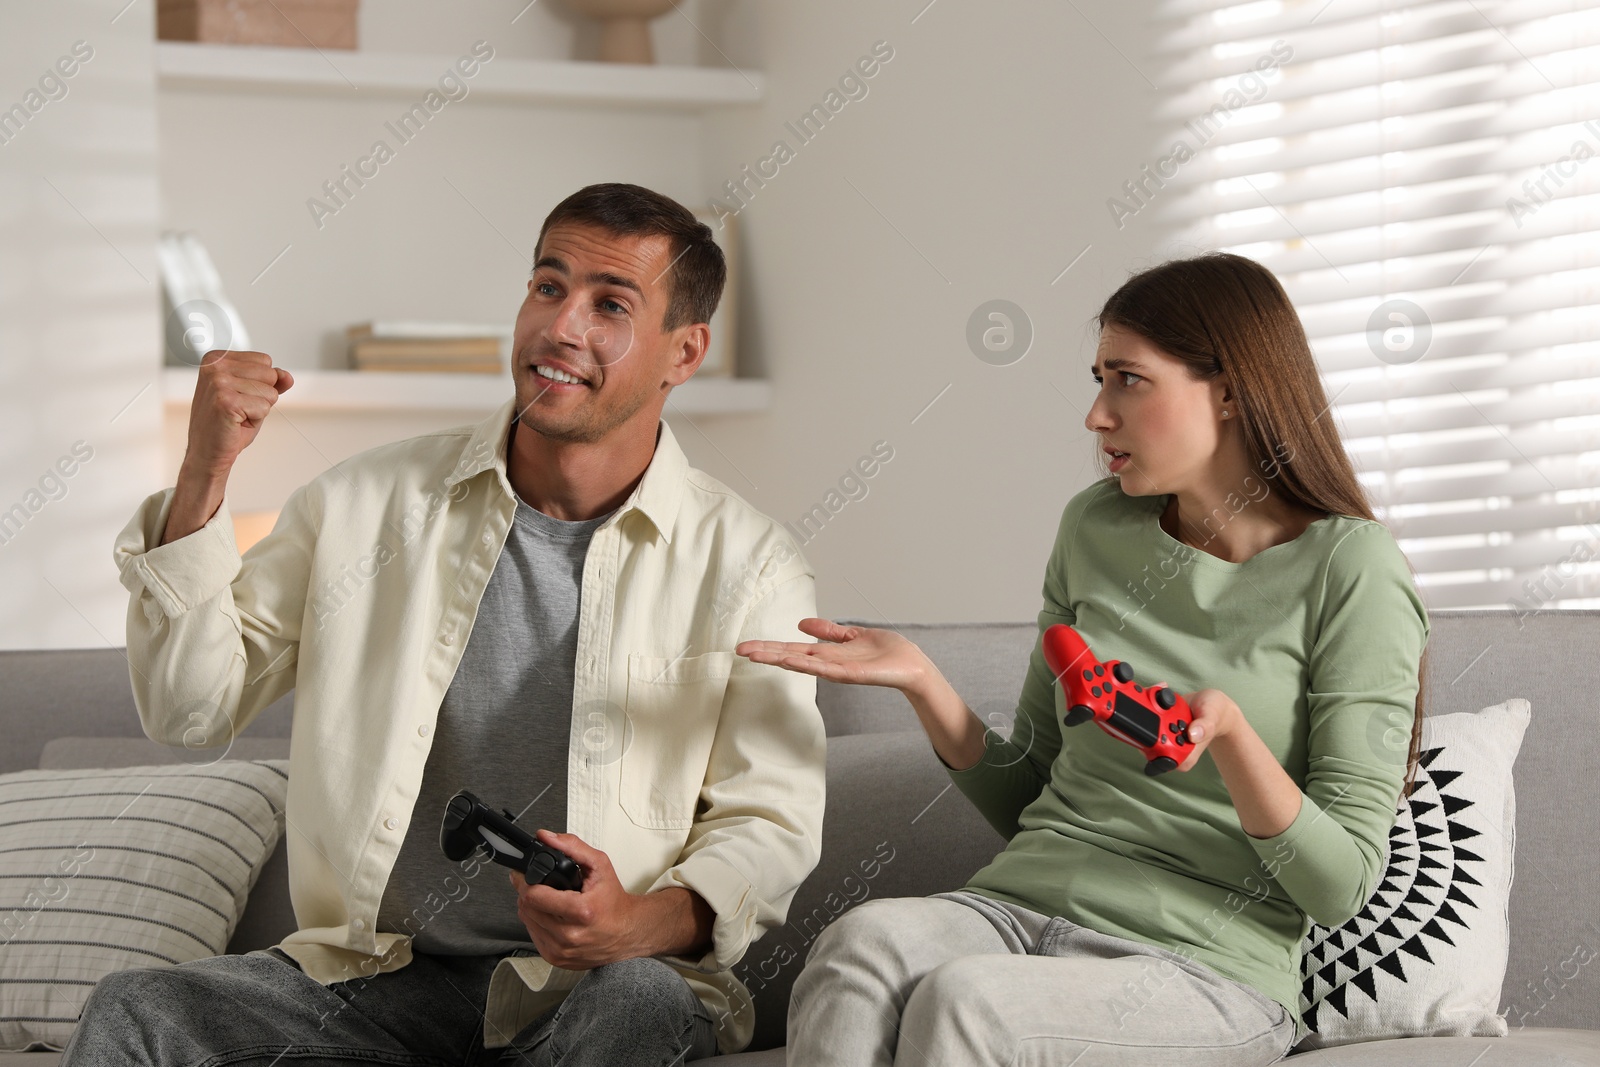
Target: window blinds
x,y
1424,178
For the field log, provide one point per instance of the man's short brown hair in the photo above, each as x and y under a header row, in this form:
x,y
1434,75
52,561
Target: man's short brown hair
x,y
696,263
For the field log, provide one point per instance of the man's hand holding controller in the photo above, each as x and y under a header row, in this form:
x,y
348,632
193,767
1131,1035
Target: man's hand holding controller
x,y
235,392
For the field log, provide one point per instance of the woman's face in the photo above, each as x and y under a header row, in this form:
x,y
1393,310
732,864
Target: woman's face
x,y
1151,409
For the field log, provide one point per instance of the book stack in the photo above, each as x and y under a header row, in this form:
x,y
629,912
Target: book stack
x,y
425,347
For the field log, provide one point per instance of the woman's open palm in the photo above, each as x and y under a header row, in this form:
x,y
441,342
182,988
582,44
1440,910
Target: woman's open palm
x,y
858,655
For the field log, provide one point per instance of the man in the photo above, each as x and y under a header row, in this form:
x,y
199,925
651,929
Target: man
x,y
541,609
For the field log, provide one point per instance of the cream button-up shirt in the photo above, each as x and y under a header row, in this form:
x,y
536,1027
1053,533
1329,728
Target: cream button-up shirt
x,y
687,764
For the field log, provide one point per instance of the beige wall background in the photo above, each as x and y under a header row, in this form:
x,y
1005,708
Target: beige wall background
x,y
976,168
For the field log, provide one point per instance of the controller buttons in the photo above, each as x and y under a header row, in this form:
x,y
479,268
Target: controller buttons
x,y
1094,690
1088,675
1137,688
1122,672
1165,698
1099,669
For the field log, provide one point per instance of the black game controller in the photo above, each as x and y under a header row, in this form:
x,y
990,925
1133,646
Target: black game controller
x,y
470,824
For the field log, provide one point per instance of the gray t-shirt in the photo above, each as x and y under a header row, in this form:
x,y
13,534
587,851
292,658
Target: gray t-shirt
x,y
503,733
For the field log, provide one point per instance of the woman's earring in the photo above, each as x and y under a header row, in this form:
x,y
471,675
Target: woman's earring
x,y
1224,412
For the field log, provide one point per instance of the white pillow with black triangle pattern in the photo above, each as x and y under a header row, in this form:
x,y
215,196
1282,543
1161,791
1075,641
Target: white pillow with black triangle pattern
x,y
1427,955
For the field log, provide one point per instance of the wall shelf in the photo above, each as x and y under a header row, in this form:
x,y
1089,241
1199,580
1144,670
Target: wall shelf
x,y
181,64
337,390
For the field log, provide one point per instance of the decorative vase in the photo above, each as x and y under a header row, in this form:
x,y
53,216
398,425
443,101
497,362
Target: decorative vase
x,y
625,26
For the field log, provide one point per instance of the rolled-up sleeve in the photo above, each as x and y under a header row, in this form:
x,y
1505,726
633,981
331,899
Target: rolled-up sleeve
x,y
212,636
758,832
1361,705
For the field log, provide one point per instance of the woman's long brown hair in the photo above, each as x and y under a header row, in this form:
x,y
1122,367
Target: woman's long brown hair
x,y
1223,314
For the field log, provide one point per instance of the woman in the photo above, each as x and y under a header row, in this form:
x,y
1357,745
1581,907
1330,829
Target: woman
x,y
1232,553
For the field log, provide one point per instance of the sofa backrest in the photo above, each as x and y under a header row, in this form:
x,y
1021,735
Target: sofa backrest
x,y
81,693
985,662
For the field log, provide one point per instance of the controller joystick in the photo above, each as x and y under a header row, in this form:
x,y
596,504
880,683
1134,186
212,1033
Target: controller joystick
x,y
1155,720
470,825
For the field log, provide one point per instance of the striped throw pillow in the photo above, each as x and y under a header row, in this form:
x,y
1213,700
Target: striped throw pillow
x,y
104,870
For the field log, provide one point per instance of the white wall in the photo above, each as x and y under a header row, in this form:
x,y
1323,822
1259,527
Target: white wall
x,y
976,168
79,314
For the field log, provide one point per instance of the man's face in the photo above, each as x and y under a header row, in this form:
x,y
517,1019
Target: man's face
x,y
594,310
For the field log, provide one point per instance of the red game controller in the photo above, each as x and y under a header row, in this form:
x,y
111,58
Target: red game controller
x,y
1154,720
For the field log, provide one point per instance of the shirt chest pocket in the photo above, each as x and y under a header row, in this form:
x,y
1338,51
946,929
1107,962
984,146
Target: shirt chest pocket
x,y
673,707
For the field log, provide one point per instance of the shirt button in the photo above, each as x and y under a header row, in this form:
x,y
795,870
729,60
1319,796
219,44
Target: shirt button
x,y
357,924
422,731
488,538
392,823
449,639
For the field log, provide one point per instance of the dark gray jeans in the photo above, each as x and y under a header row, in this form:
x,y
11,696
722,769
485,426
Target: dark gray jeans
x,y
260,1008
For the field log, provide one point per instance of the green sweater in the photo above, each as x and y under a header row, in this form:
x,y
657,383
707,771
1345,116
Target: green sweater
x,y
1317,640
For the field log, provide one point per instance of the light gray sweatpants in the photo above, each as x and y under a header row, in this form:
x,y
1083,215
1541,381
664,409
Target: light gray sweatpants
x,y
962,980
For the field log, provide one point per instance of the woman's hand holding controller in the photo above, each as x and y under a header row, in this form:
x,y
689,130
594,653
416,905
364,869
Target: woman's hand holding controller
x,y
1213,717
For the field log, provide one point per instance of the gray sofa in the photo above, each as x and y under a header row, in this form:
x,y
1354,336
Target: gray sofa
x,y
891,811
